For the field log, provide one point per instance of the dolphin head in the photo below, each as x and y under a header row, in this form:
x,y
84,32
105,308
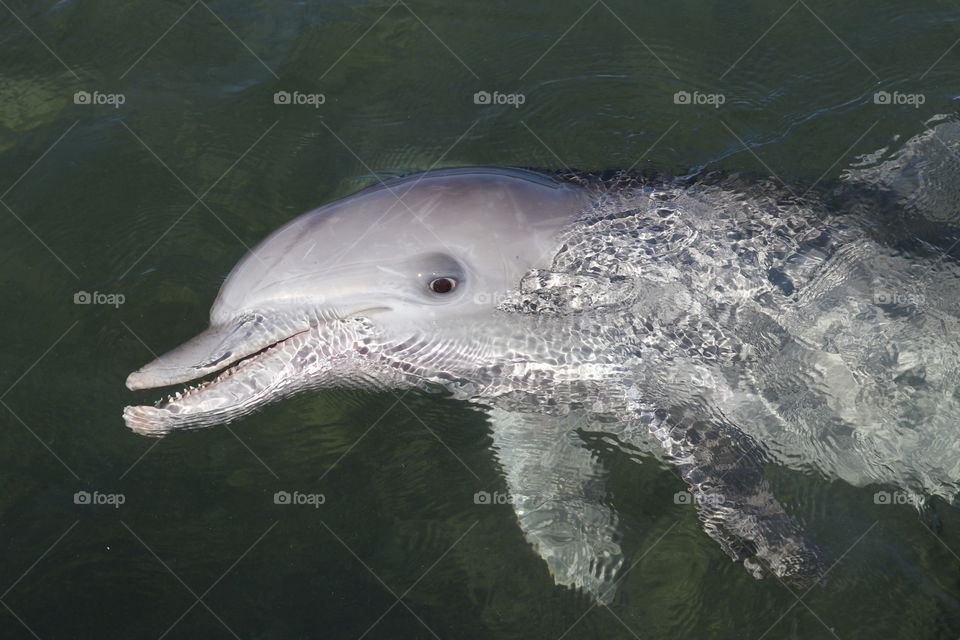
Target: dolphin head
x,y
392,282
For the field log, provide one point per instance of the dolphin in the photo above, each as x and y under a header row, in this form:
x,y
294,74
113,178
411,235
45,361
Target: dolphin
x,y
425,258
717,326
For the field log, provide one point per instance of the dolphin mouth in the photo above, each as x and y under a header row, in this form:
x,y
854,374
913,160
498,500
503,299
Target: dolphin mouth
x,y
181,409
258,358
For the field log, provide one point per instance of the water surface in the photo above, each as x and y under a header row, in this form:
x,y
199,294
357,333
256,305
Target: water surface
x,y
156,198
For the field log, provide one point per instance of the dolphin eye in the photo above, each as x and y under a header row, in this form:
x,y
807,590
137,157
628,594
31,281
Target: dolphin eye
x,y
443,285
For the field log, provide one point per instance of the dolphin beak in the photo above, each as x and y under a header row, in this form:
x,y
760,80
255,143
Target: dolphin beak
x,y
214,349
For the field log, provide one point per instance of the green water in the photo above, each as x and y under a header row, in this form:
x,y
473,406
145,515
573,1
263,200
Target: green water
x,y
104,198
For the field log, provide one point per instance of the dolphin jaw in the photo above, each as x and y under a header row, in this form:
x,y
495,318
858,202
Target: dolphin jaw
x,y
228,342
219,346
141,379
174,410
254,379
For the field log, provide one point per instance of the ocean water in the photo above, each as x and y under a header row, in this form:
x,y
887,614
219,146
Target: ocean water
x,y
147,145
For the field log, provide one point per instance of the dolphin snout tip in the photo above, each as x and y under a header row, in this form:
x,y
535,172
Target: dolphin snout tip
x,y
135,381
146,378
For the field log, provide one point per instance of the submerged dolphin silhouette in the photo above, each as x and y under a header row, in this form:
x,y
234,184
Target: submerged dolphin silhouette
x,y
696,320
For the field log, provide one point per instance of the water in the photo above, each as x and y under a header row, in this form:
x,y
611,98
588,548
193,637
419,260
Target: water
x,y
104,199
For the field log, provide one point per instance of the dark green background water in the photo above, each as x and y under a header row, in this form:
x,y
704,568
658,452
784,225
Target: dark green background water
x,y
104,199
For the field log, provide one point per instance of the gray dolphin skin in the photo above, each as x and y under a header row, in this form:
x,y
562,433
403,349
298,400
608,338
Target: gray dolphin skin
x,y
723,326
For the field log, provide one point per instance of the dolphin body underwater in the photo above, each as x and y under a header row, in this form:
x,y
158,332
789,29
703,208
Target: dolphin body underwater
x,y
721,326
